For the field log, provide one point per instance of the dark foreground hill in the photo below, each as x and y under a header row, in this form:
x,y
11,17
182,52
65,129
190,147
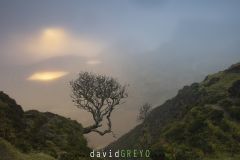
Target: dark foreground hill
x,y
201,122
36,135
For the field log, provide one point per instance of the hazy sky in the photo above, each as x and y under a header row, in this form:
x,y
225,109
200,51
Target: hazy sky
x,y
155,46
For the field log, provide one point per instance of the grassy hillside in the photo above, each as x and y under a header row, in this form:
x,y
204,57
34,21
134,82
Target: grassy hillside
x,y
9,152
201,122
36,132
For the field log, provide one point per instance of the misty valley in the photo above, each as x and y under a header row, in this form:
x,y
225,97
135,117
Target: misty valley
x,y
119,80
200,122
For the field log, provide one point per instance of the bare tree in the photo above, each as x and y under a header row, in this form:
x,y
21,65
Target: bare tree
x,y
98,95
144,111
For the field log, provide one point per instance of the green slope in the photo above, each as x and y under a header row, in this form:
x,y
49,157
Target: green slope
x,y
202,121
37,132
9,152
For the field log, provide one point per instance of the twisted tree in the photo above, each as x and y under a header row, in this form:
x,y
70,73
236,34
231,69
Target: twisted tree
x,y
98,95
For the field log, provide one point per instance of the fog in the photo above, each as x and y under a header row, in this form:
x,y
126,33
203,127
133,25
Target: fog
x,y
156,47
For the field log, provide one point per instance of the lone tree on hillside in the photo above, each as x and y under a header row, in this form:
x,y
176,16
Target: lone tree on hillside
x,y
144,111
98,95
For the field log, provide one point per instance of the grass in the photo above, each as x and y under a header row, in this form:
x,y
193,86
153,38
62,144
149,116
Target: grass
x,y
224,81
223,157
9,152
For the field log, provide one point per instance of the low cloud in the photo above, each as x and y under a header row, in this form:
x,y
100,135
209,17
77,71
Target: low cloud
x,y
93,62
47,76
51,42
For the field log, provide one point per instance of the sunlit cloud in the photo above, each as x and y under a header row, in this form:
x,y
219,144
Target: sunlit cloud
x,y
53,42
93,62
46,76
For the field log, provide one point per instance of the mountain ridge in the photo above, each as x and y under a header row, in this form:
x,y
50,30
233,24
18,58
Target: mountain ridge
x,y
206,113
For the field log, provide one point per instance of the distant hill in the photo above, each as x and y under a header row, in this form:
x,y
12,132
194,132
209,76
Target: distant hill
x,y
201,122
36,134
